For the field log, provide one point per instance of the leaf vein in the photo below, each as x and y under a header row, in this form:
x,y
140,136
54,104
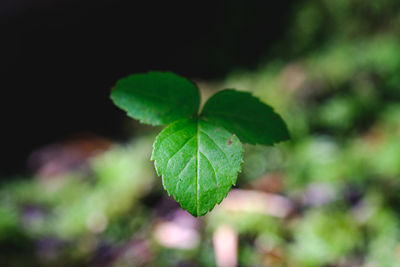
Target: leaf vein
x,y
179,174
215,143
198,169
215,173
183,145
172,134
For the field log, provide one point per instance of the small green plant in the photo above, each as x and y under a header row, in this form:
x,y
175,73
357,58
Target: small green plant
x,y
198,155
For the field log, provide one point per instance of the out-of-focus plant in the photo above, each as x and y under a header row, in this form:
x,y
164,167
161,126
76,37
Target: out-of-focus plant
x,y
330,197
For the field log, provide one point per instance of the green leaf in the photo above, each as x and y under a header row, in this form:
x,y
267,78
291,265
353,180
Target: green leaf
x,y
245,115
156,98
198,162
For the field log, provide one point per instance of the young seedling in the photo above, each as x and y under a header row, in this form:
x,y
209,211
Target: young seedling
x,y
198,155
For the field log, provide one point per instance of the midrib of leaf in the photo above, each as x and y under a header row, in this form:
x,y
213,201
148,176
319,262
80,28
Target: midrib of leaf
x,y
198,167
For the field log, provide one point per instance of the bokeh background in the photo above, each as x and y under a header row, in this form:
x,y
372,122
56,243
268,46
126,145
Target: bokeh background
x,y
77,185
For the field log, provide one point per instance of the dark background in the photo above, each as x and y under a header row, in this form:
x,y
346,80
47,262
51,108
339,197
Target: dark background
x,y
328,197
59,60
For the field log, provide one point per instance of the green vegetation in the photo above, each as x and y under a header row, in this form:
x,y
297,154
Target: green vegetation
x,y
197,164
197,158
329,197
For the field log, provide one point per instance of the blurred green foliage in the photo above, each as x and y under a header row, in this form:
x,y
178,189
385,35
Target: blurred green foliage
x,y
336,82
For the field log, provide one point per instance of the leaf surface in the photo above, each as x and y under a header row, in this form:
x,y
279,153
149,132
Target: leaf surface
x,y
246,116
156,98
198,162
